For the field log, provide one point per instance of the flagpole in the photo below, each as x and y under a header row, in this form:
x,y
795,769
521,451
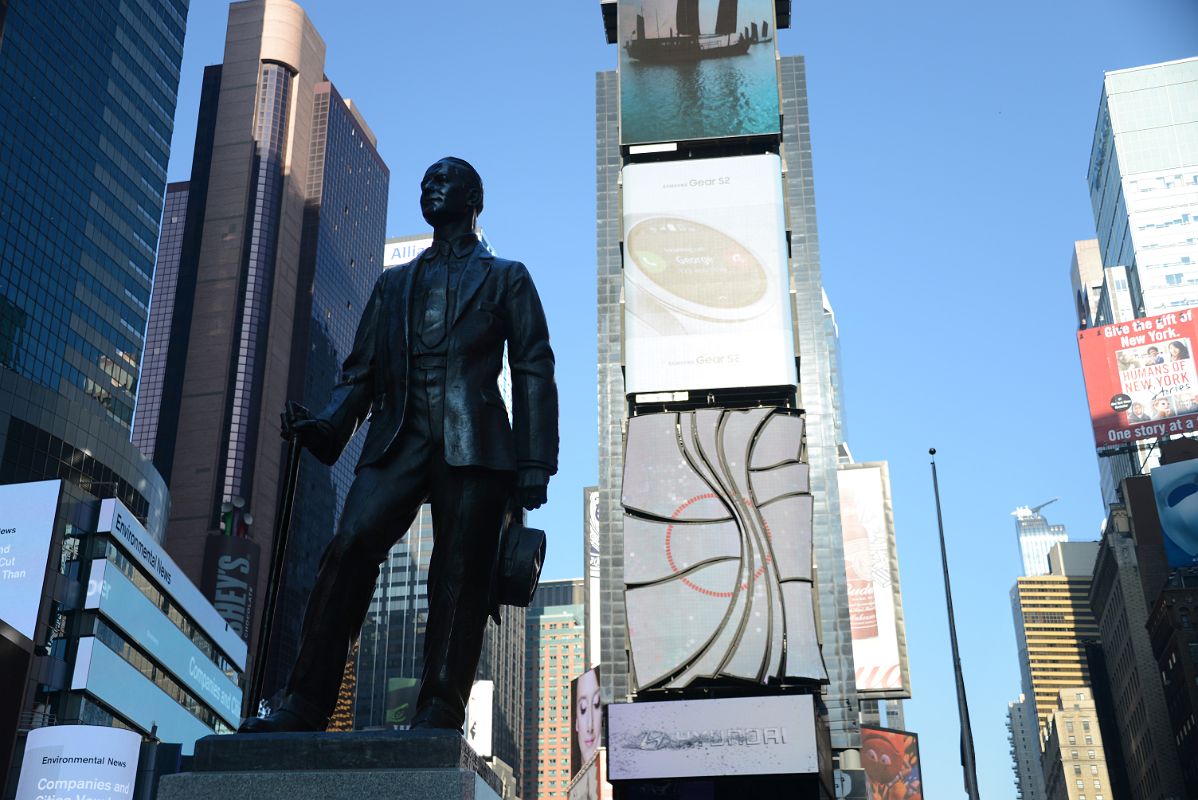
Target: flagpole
x,y
968,761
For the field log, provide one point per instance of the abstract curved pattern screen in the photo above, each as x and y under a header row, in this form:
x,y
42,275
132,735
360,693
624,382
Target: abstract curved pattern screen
x,y
717,548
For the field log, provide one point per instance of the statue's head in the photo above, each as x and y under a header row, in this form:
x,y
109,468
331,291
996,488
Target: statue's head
x,y
451,190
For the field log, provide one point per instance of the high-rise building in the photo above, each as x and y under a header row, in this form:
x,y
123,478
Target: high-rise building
x,y
284,226
1074,760
1024,737
1173,630
158,330
814,337
555,655
1119,597
1143,179
80,207
87,104
1052,623
1036,537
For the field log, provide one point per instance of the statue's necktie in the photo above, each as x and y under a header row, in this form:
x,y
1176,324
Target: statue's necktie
x,y
432,331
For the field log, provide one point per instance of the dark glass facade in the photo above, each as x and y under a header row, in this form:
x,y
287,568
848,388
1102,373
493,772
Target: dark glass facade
x,y
86,114
162,312
344,228
253,323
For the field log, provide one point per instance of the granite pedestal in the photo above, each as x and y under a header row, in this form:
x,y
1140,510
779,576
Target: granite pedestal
x,y
398,765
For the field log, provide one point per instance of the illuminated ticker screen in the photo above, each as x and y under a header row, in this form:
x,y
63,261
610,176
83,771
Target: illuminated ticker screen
x,y
717,528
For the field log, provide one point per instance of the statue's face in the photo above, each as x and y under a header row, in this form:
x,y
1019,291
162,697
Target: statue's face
x,y
445,193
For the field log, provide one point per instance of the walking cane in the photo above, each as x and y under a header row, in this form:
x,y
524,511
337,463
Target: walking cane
x,y
281,531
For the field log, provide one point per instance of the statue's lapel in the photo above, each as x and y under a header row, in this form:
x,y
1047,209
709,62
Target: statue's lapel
x,y
471,279
403,320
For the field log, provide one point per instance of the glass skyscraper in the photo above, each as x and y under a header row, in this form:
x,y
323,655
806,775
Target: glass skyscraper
x,y
80,206
815,341
1036,537
1143,179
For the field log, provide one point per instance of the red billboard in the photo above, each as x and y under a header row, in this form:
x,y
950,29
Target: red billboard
x,y
1141,379
890,759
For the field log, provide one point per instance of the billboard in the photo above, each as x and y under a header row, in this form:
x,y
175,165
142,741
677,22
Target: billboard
x,y
79,761
717,529
890,759
402,694
1141,380
229,579
398,252
590,510
1175,487
116,683
586,719
591,783
480,717
123,604
708,738
706,287
27,512
871,566
132,538
696,69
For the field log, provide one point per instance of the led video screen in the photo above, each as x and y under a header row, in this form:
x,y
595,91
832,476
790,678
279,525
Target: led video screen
x,y
1175,487
697,69
27,513
717,528
871,569
706,289
890,759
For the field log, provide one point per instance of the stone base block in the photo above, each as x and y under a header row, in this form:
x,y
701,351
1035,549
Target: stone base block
x,y
404,765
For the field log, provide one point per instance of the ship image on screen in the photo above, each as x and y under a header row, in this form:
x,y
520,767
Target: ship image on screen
x,y
717,529
697,69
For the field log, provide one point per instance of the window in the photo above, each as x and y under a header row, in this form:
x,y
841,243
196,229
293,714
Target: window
x,y
1090,755
1072,740
1069,726
1093,769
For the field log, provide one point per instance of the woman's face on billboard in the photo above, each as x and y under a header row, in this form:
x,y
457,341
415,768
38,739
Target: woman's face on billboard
x,y
586,714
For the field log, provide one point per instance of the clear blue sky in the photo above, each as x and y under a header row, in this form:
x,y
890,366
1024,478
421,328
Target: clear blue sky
x,y
950,149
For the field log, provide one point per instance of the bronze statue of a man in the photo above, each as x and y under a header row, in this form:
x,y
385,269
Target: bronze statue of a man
x,y
425,363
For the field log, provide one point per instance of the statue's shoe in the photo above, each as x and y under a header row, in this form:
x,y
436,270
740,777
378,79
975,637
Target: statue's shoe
x,y
293,715
436,715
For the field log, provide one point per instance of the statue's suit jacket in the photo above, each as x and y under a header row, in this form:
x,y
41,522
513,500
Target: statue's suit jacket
x,y
495,302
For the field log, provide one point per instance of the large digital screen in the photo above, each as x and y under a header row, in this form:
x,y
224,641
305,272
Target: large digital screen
x,y
871,568
590,506
27,513
890,759
586,719
697,69
1140,376
480,717
706,292
79,761
1175,487
710,738
132,538
717,529
142,621
121,686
